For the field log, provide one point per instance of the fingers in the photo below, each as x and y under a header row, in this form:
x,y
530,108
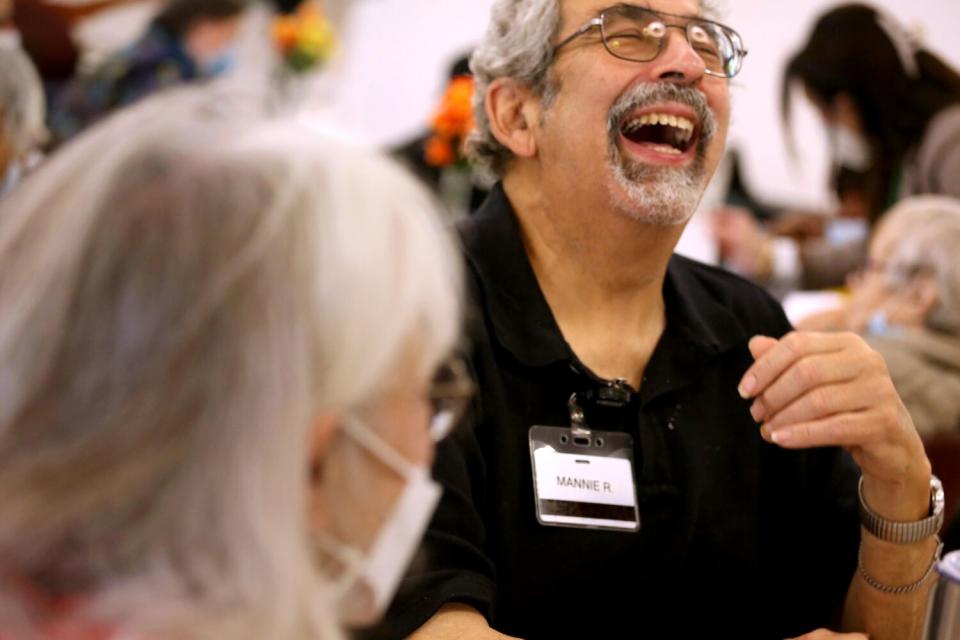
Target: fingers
x,y
760,345
813,378
776,360
842,430
816,390
819,390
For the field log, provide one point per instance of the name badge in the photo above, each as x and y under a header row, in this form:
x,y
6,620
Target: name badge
x,y
584,479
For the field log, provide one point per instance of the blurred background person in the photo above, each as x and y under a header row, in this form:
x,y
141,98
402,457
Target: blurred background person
x,y
892,109
907,304
22,115
207,427
186,41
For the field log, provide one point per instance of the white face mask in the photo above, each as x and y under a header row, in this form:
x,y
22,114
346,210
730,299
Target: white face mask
x,y
850,149
879,325
218,64
369,581
842,231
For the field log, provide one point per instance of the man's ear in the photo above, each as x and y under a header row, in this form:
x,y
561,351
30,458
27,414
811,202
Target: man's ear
x,y
514,112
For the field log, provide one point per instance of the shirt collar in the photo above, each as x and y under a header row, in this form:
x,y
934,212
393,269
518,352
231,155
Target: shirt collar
x,y
522,320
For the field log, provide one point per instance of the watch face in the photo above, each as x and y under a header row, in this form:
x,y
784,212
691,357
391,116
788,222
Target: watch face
x,y
937,496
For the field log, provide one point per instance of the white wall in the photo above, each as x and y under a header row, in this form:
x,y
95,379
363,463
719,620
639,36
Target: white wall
x,y
396,53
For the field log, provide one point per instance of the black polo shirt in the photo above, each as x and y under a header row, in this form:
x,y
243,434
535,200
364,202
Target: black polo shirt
x,y
739,538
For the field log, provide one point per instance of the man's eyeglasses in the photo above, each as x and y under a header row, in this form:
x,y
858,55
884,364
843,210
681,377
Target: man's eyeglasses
x,y
638,34
450,395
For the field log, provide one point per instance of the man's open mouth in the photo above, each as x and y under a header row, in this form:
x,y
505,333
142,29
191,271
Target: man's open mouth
x,y
666,133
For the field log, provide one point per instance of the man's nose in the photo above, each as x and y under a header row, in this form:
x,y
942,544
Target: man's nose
x,y
677,60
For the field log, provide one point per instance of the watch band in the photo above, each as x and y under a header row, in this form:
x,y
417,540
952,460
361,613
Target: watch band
x,y
905,532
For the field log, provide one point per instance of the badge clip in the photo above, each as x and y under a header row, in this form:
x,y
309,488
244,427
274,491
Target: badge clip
x,y
578,421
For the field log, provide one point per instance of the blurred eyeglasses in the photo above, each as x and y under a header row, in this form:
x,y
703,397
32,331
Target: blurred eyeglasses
x,y
450,395
638,34
895,274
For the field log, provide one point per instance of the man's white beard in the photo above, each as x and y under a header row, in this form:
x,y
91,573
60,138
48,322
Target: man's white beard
x,y
661,196
658,195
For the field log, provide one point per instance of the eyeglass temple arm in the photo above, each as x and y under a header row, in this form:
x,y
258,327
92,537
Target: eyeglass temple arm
x,y
596,22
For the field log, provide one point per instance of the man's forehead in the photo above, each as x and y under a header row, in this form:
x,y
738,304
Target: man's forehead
x,y
581,9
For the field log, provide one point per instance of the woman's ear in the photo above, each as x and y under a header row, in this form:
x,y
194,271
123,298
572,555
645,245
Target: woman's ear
x,y
321,440
513,111
321,437
924,296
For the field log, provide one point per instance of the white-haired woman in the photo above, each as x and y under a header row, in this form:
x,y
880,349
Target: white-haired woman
x,y
907,303
219,339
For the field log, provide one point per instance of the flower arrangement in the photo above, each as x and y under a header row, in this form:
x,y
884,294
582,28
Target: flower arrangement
x,y
451,124
304,38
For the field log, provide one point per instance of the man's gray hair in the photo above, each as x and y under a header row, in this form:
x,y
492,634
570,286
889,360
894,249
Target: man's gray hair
x,y
926,233
518,44
186,287
22,103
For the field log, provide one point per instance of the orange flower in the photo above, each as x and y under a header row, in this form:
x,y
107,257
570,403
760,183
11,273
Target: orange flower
x,y
305,39
460,92
452,121
285,32
447,125
438,152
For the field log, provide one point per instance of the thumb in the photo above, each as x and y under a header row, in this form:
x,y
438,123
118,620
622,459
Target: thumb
x,y
759,345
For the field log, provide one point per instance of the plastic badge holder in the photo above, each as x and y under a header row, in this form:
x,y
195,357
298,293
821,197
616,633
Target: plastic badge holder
x,y
584,478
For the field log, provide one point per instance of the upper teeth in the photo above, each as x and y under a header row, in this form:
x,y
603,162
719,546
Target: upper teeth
x,y
663,119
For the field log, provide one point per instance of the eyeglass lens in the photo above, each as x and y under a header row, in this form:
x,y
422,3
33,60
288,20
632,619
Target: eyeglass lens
x,y
635,34
449,397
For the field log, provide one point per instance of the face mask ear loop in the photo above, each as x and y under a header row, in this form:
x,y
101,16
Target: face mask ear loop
x,y
376,446
350,559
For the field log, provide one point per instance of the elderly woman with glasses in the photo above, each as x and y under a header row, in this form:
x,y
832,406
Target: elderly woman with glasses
x,y
220,388
907,301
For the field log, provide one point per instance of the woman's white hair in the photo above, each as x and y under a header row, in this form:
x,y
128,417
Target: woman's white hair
x,y
22,104
183,289
518,44
924,233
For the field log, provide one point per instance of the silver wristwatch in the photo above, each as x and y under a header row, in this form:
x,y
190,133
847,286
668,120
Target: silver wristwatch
x,y
905,532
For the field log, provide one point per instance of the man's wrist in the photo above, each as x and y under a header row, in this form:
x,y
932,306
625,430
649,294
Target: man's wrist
x,y
907,500
916,527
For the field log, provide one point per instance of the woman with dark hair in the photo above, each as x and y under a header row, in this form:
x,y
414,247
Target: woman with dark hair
x,y
900,103
893,111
